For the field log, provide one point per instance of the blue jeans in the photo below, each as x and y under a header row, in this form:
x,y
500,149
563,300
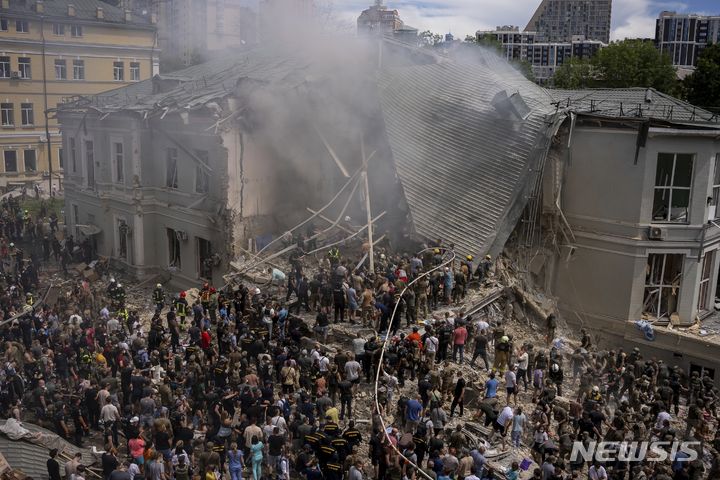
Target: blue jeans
x,y
461,349
516,438
236,474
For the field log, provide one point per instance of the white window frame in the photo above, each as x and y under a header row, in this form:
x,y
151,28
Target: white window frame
x,y
669,188
657,288
59,29
134,71
7,114
119,71
78,69
27,114
705,297
60,69
117,160
25,67
76,31
5,66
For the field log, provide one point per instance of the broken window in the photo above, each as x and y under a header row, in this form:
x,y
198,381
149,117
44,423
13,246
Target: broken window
x,y
202,180
662,285
716,186
673,179
171,173
119,162
173,238
704,298
122,228
205,258
90,163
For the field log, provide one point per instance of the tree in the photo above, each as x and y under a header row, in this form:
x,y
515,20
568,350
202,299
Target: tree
x,y
429,39
703,85
574,74
634,63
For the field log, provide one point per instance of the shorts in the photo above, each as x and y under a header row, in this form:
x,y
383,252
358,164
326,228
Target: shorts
x,y
498,428
510,390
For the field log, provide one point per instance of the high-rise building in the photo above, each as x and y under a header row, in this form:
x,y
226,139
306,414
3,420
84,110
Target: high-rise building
x,y
378,18
544,57
189,29
683,36
560,20
56,50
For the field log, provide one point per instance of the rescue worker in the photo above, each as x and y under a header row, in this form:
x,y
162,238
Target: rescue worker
x,y
119,296
205,298
181,307
334,256
483,268
29,301
159,297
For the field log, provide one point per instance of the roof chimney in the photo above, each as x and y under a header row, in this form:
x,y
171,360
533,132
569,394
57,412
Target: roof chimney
x,y
99,13
128,15
39,6
71,10
5,3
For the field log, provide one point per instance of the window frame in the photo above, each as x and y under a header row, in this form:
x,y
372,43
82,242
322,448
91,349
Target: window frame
x,y
118,71
705,294
118,161
62,64
25,159
5,160
25,68
59,29
5,67
134,71
27,114
78,66
7,114
649,284
171,164
76,31
200,173
670,188
72,146
25,25
4,24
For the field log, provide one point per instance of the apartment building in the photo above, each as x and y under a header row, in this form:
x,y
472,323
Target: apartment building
x,y
560,20
52,51
683,36
379,19
544,56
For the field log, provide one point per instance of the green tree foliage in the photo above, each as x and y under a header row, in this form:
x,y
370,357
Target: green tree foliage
x,y
429,39
624,64
703,85
575,74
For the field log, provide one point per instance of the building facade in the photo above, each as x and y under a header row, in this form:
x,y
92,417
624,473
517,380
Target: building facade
x,y
379,19
544,57
638,236
683,36
560,20
189,30
52,51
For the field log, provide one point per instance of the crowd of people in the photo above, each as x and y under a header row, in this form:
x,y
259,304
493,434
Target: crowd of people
x,y
241,381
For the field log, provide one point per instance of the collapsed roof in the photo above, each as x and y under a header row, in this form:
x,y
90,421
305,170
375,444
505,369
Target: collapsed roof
x,y
467,135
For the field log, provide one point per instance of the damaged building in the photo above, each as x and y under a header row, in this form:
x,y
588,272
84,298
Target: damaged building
x,y
605,197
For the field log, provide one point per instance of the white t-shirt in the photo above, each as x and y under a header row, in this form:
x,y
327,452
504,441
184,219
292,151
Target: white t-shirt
x,y
510,379
324,363
431,344
505,416
523,361
109,413
662,416
598,473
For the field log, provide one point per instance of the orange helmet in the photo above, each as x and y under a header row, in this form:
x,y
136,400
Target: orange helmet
x,y
182,294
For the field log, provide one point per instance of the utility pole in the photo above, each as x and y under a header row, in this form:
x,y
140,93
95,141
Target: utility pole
x,y
371,256
45,99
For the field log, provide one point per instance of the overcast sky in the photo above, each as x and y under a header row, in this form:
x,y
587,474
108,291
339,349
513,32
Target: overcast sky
x,y
630,18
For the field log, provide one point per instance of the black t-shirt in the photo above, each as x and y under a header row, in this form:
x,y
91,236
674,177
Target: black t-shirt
x,y
53,468
275,444
459,386
109,463
586,425
162,441
597,418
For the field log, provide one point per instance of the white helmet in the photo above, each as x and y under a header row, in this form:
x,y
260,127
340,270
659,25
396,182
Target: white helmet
x,y
119,285
159,285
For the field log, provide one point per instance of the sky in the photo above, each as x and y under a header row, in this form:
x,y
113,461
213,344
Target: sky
x,y
630,18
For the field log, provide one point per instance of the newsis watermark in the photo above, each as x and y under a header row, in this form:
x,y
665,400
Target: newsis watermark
x,y
634,451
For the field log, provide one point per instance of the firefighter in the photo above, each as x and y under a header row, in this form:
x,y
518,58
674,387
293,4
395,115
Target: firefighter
x,y
205,297
181,307
334,256
120,295
112,286
29,299
159,297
